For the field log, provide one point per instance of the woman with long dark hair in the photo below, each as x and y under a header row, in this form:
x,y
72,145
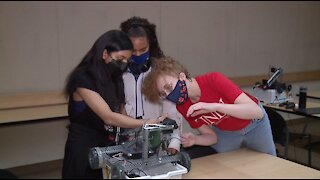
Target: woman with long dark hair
x,y
96,98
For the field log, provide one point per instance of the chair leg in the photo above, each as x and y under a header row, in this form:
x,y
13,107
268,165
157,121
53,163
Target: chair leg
x,y
309,150
286,144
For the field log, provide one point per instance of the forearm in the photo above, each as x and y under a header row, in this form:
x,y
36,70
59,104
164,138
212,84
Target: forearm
x,y
102,109
242,111
120,120
175,140
205,139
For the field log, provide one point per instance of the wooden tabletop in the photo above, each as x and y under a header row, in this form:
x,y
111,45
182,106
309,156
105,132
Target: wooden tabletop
x,y
25,100
33,113
245,164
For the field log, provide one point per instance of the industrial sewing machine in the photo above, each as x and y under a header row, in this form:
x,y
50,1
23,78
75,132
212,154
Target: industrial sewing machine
x,y
272,91
143,157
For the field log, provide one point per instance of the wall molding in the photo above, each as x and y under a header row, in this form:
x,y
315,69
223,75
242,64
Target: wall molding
x,y
27,106
286,77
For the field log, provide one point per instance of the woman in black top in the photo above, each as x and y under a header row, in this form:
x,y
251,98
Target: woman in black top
x,y
96,97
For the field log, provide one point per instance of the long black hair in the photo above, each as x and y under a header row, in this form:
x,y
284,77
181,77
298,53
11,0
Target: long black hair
x,y
137,27
94,65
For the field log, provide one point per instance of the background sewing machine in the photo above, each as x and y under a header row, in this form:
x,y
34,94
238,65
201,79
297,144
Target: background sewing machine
x,y
143,157
272,91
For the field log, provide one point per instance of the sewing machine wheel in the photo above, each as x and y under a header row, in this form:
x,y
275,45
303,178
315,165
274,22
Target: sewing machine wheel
x,y
185,160
118,172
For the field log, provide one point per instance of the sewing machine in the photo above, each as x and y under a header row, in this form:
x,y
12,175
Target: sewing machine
x,y
143,157
271,91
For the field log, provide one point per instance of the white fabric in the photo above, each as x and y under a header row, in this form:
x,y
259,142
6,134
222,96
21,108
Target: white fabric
x,y
135,100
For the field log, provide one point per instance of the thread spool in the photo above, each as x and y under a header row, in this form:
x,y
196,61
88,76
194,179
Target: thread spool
x,y
303,97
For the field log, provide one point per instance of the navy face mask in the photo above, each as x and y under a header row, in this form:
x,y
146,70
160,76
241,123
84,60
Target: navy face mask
x,y
141,59
140,64
179,95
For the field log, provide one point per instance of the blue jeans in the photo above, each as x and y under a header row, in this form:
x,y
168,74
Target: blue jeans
x,y
256,136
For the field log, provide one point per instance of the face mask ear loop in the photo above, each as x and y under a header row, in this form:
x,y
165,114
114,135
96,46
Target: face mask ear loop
x,y
146,66
142,96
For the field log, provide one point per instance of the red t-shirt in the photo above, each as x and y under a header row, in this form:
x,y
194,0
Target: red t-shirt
x,y
216,88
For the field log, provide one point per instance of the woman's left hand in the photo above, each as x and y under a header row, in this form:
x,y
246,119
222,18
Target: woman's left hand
x,y
201,108
188,139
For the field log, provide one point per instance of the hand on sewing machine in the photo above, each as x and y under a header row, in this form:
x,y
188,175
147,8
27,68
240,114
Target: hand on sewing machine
x,y
156,121
170,122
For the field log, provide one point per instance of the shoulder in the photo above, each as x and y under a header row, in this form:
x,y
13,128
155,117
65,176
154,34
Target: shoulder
x,y
83,79
215,74
210,76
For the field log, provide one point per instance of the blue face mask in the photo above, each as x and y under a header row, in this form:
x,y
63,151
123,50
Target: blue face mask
x,y
179,95
140,59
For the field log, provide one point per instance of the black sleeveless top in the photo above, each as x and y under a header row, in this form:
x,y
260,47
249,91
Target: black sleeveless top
x,y
80,112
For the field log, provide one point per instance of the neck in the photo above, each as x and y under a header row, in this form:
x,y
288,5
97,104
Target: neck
x,y
194,91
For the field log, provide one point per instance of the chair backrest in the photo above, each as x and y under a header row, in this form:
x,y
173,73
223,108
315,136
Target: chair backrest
x,y
278,125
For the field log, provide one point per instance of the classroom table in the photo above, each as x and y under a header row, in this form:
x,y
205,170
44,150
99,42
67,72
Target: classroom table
x,y
313,95
32,114
244,164
32,107
310,104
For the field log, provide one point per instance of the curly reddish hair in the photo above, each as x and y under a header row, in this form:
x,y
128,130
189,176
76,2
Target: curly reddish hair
x,y
164,66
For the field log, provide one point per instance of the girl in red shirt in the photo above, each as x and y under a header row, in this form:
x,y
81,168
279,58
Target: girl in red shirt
x,y
225,116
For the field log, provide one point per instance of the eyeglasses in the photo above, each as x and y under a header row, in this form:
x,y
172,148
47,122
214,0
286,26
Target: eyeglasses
x,y
162,96
167,89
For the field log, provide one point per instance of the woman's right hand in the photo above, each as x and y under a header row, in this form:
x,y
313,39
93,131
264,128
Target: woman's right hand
x,y
156,121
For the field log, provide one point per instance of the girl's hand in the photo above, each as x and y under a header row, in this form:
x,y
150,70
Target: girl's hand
x,y
156,121
201,108
188,139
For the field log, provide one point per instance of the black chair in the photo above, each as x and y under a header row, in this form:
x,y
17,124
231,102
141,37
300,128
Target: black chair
x,y
280,131
6,174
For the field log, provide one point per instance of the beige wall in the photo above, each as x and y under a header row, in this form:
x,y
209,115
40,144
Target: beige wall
x,y
28,143
40,42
